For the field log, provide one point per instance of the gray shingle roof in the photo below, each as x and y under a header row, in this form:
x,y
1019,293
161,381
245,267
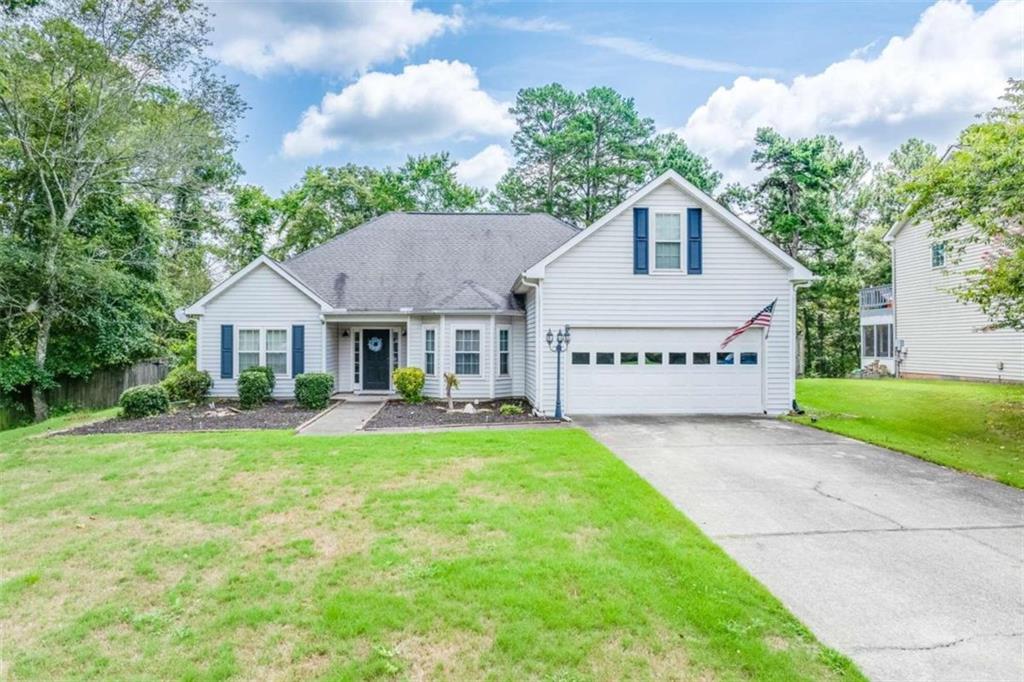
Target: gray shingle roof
x,y
430,261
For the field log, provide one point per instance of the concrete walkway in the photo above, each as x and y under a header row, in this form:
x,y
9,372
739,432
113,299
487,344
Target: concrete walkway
x,y
344,418
913,570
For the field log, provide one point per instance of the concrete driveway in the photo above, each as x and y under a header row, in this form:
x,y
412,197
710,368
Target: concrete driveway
x,y
914,571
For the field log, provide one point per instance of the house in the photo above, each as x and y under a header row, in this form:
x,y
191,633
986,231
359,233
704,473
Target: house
x,y
650,291
876,328
934,334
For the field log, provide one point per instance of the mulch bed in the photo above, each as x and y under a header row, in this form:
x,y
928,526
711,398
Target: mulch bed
x,y
397,414
274,415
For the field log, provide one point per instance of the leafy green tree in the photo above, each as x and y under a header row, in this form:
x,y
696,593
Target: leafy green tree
x,y
579,154
883,201
254,217
542,147
976,195
98,101
670,152
806,203
331,200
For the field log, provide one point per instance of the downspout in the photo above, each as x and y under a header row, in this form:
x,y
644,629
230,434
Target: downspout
x,y
538,381
893,343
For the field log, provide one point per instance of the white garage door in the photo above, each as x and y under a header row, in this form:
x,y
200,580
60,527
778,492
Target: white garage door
x,y
663,371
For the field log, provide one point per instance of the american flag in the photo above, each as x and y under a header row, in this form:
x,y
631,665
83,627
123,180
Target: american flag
x,y
762,319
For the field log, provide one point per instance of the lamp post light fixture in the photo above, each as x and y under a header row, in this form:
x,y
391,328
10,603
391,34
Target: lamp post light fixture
x,y
558,343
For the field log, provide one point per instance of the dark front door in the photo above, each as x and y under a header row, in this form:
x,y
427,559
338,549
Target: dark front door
x,y
376,346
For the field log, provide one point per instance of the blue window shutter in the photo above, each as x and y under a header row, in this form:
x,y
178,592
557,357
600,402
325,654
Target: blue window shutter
x,y
640,250
694,245
227,350
298,350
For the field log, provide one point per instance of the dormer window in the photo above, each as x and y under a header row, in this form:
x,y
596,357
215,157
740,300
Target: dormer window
x,y
668,241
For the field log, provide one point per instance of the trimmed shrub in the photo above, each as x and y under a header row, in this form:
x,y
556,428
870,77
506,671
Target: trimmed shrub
x,y
253,388
267,371
143,401
188,383
409,383
509,409
313,390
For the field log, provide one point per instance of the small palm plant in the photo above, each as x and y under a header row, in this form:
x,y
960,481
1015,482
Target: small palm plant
x,y
450,382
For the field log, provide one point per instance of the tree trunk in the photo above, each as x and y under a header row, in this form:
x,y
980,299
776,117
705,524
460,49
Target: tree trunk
x,y
40,409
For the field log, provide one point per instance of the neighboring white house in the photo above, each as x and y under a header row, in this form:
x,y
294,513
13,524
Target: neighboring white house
x,y
935,334
877,318
649,291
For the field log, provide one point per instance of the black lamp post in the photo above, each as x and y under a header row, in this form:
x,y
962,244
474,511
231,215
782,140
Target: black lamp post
x,y
558,343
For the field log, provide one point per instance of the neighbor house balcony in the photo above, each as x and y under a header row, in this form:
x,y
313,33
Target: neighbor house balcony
x,y
876,298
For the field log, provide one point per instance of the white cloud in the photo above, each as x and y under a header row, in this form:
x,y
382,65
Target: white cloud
x,y
953,65
340,38
432,101
650,53
485,168
522,24
864,50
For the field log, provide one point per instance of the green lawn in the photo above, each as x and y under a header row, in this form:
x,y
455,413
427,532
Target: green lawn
x,y
974,427
471,555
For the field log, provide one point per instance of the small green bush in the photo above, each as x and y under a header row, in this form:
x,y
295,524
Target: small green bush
x,y
267,371
409,383
509,409
253,388
188,383
313,390
143,401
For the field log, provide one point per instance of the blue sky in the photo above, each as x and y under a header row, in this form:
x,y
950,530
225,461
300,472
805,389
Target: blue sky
x,y
403,78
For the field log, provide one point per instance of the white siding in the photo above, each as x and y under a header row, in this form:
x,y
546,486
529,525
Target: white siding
x,y
262,299
344,382
593,285
943,337
331,366
511,384
530,354
433,385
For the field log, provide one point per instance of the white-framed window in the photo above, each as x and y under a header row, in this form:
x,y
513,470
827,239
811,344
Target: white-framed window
x,y
467,352
504,352
394,348
430,351
938,254
267,347
668,241
876,341
275,350
356,347
248,349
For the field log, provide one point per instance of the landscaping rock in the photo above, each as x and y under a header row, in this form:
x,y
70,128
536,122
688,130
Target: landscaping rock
x,y
397,414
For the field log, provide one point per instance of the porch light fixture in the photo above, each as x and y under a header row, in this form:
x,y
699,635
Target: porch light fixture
x,y
344,334
558,343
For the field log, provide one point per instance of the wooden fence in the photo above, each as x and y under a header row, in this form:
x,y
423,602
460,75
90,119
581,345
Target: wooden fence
x,y
100,390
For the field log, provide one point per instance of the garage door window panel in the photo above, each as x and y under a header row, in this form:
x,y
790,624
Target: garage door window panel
x,y
748,358
668,241
677,358
726,359
653,359
629,358
581,358
604,358
702,358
